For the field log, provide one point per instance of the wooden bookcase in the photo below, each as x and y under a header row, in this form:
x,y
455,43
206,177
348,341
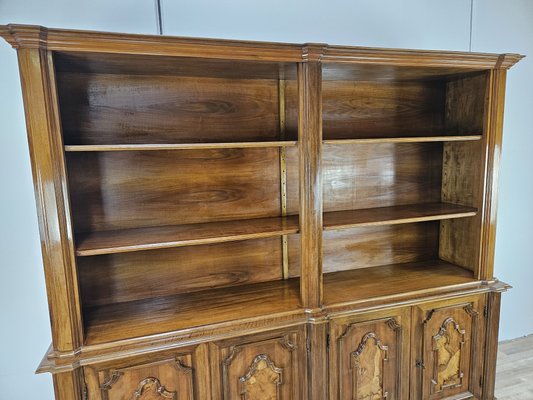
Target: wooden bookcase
x,y
245,220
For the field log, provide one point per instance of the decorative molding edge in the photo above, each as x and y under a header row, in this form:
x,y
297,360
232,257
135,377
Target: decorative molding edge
x,y
111,380
253,369
159,389
287,344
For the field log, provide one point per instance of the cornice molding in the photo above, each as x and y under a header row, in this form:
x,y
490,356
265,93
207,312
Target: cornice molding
x,y
30,36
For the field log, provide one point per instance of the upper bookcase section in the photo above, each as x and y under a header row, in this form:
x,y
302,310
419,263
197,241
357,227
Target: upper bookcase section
x,y
28,36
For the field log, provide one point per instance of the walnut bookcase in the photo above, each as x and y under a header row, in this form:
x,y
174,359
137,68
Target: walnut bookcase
x,y
243,220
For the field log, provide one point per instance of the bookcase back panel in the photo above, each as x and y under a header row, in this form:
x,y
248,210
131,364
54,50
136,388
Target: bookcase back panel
x,y
380,245
141,64
138,275
360,176
99,108
465,103
358,109
119,190
462,183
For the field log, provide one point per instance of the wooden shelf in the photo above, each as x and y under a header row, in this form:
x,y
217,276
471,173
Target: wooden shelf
x,y
178,146
210,307
406,139
109,242
389,281
395,215
152,316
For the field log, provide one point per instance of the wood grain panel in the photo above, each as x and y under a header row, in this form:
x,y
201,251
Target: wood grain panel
x,y
267,366
386,73
354,109
446,342
133,276
140,64
369,356
125,190
461,184
466,97
381,175
164,314
109,242
123,109
381,245
162,376
410,213
310,167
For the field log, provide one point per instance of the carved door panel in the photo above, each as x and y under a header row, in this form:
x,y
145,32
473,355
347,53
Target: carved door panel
x,y
268,366
447,345
157,377
369,356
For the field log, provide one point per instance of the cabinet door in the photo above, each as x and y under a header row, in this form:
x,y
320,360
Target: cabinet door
x,y
268,366
154,377
447,342
369,356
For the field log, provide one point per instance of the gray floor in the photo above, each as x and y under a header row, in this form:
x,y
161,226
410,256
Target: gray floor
x,y
514,376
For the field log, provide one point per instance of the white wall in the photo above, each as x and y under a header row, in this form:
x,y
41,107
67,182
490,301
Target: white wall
x,y
499,25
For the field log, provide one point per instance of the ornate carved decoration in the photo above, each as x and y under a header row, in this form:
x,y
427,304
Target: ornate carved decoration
x,y
111,380
153,383
429,315
286,343
393,324
447,347
470,310
368,365
180,366
234,350
262,381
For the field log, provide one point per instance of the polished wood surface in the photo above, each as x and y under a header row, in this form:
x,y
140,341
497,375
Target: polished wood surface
x,y
381,175
148,109
179,146
395,215
171,377
446,354
359,285
406,139
32,36
110,242
263,366
238,219
310,132
354,109
49,180
171,313
118,278
380,245
125,190
368,355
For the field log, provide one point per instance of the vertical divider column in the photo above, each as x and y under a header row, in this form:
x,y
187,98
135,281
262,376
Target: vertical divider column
x,y
53,209
310,157
492,141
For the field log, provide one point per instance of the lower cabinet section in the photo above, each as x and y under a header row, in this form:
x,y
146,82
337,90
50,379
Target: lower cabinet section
x,y
268,366
368,356
165,376
428,351
447,344
424,352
